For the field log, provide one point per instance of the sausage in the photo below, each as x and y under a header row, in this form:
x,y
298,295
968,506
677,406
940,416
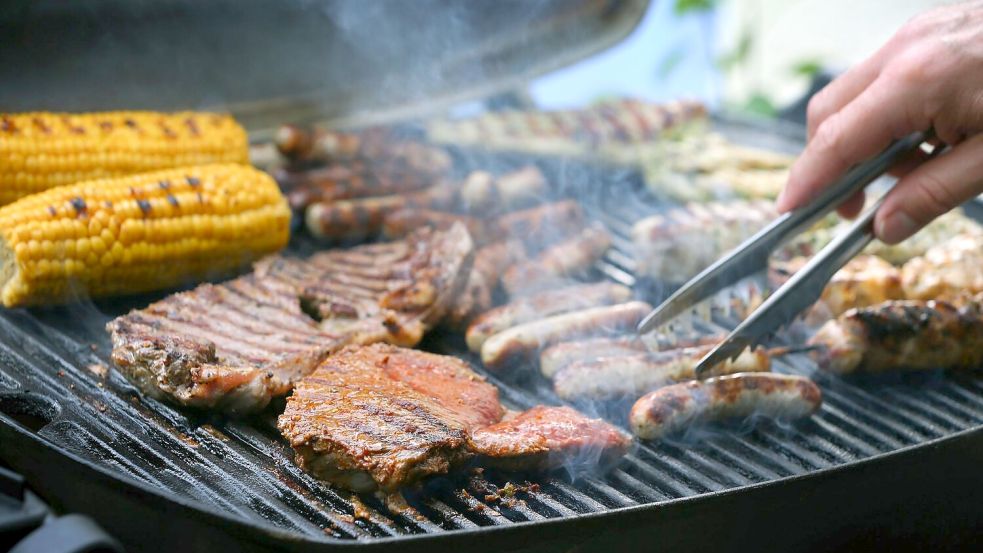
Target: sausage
x,y
360,218
523,342
346,181
673,408
572,257
541,226
560,355
543,304
632,375
910,335
481,192
403,221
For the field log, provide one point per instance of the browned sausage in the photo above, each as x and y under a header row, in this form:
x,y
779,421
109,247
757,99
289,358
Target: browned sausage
x,y
632,375
523,342
556,264
673,408
543,304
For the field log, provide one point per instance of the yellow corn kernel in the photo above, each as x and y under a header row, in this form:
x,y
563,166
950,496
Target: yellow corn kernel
x,y
41,150
132,234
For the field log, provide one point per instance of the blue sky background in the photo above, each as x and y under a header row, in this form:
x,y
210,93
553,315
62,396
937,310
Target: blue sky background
x,y
666,57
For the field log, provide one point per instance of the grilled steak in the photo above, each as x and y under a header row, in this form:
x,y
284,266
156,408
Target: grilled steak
x,y
384,417
233,346
549,437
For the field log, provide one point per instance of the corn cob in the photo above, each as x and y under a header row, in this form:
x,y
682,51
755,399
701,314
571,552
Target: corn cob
x,y
42,150
138,233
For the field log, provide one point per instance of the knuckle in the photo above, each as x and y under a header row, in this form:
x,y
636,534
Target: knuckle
x,y
933,198
829,135
816,109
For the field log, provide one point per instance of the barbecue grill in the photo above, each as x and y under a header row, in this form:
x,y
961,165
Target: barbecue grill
x,y
886,460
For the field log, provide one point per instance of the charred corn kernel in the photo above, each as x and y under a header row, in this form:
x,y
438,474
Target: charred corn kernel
x,y
41,150
115,236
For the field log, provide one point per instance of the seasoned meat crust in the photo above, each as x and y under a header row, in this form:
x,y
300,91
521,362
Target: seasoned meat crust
x,y
549,437
233,346
384,417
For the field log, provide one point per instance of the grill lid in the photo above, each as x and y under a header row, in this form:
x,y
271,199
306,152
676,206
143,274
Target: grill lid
x,y
343,61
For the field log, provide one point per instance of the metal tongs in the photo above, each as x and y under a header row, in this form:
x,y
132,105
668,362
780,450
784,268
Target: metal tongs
x,y
806,286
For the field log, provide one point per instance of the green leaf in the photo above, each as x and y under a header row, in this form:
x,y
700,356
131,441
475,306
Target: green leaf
x,y
670,62
683,7
807,68
740,53
759,104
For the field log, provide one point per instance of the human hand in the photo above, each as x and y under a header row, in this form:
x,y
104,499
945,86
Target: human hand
x,y
929,75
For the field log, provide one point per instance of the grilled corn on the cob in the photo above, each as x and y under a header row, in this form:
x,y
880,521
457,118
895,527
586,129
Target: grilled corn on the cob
x,y
41,150
138,233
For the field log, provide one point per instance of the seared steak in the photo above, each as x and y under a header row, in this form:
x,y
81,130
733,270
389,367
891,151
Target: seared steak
x,y
233,346
384,417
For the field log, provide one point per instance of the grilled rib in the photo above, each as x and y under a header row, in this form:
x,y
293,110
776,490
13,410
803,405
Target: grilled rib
x,y
233,346
482,281
904,335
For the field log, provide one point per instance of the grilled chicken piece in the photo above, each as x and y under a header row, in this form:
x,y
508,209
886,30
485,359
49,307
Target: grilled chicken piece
x,y
481,193
477,295
361,218
556,357
947,270
904,335
629,376
523,342
385,417
543,304
233,346
673,408
549,437
557,264
864,281
542,226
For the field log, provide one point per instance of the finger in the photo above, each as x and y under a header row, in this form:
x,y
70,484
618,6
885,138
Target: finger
x,y
852,207
842,91
930,190
861,129
912,160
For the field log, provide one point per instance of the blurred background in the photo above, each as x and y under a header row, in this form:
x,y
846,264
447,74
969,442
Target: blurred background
x,y
754,56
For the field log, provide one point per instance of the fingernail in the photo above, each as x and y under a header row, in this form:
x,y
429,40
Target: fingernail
x,y
895,227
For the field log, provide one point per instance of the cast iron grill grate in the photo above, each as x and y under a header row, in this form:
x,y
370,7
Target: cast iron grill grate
x,y
245,469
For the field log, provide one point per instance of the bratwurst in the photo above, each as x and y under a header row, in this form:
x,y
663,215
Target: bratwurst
x,y
673,408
